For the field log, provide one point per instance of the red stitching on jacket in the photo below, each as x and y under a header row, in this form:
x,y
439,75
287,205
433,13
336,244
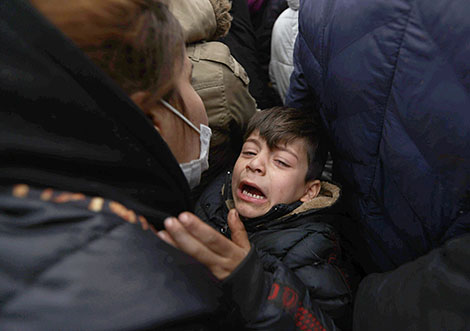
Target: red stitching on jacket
x,y
274,291
288,299
305,320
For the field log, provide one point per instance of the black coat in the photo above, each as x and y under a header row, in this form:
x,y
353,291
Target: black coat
x,y
297,239
430,293
252,48
65,265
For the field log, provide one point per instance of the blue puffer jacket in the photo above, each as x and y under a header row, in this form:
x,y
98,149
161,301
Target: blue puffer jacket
x,y
392,81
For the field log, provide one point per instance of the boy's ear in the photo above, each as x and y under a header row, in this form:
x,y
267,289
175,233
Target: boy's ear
x,y
312,188
140,98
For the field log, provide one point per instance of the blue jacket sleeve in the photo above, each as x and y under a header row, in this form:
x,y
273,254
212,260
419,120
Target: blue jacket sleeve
x,y
299,94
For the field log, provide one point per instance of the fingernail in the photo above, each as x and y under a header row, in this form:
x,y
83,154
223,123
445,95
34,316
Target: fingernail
x,y
184,218
168,222
161,235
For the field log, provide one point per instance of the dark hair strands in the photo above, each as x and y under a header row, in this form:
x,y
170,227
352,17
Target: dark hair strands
x,y
282,125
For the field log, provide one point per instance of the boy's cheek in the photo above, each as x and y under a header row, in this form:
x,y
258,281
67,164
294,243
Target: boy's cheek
x,y
235,181
248,210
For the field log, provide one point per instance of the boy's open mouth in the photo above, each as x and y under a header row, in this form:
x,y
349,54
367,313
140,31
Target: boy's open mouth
x,y
252,192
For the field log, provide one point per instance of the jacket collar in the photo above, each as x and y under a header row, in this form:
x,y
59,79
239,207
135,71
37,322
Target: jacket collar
x,y
328,196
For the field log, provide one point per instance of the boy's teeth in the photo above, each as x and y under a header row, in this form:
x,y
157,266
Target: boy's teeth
x,y
256,196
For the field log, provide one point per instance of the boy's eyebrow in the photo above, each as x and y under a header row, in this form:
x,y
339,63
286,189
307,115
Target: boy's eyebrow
x,y
288,150
253,140
277,147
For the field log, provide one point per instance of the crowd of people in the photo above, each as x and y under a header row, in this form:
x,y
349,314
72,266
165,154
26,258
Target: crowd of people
x,y
163,165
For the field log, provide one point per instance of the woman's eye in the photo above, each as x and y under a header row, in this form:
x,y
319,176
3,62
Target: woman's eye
x,y
248,153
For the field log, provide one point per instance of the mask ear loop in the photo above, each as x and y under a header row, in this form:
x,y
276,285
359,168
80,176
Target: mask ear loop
x,y
177,113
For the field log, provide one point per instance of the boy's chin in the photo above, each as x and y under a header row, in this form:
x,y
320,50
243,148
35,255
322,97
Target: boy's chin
x,y
249,212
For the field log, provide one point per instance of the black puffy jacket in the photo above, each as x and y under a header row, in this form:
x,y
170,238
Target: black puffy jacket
x,y
69,261
296,238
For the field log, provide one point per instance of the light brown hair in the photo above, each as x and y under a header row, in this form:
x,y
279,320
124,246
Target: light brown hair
x,y
139,43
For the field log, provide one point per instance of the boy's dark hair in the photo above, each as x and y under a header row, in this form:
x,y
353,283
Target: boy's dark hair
x,y
281,125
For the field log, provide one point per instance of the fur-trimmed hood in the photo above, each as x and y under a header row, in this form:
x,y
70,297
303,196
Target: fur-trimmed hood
x,y
328,196
202,19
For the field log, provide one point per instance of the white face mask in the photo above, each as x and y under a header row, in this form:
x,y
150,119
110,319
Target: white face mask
x,y
193,170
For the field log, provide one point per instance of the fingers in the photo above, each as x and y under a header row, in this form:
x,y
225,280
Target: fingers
x,y
239,234
207,235
163,235
219,265
189,244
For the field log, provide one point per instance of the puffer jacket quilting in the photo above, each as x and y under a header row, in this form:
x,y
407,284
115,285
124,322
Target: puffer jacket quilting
x,y
390,90
302,238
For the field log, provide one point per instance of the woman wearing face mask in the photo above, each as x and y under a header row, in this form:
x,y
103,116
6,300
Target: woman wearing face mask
x,y
85,177
132,60
182,122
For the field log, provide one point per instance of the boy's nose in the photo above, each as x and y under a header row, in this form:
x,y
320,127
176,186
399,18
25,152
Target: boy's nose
x,y
256,165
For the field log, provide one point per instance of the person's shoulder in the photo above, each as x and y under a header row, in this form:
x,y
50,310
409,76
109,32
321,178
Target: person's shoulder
x,y
217,54
87,260
222,83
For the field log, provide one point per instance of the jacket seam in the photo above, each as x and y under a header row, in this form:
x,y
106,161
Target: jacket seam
x,y
425,231
324,24
298,242
321,260
61,258
386,109
226,116
368,199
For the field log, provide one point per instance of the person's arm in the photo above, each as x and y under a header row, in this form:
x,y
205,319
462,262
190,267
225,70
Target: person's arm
x,y
266,300
429,293
299,94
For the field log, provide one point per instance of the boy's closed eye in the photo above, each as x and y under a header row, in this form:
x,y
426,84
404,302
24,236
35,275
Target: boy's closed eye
x,y
282,163
248,153
250,149
284,157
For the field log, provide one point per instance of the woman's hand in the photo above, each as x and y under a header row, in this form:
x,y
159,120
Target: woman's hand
x,y
196,238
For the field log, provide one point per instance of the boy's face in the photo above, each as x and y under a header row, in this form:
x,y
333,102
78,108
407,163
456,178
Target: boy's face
x,y
264,177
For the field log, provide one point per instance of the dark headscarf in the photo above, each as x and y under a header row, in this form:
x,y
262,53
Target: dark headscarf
x,y
64,124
